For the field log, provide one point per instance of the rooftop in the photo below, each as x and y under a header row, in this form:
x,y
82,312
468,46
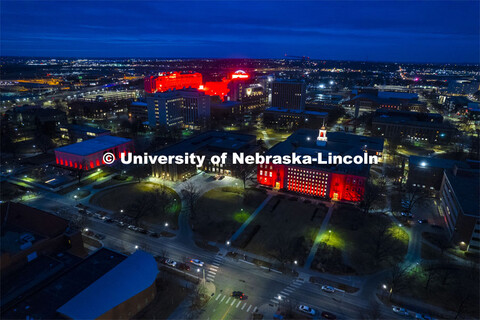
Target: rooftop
x,y
43,301
212,141
85,128
127,279
465,185
303,142
93,145
296,111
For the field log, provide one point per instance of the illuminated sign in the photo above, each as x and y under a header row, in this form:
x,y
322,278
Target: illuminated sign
x,y
239,74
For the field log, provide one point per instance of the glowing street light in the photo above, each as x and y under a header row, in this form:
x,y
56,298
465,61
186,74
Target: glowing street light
x,y
228,243
121,211
166,224
136,247
295,262
384,286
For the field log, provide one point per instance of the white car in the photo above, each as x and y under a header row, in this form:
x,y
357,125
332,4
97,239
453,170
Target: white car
x,y
197,262
400,311
306,309
170,263
328,289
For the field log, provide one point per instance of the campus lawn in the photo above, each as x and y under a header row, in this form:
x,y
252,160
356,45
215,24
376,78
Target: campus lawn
x,y
121,197
358,243
285,229
221,211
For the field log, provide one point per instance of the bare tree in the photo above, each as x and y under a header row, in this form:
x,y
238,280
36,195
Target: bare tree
x,y
247,172
414,196
191,194
44,142
141,206
397,279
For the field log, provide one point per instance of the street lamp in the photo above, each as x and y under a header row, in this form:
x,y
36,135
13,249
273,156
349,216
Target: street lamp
x,y
121,210
295,262
166,224
136,247
228,243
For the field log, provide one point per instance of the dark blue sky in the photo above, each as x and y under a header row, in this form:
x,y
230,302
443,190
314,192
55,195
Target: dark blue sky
x,y
419,31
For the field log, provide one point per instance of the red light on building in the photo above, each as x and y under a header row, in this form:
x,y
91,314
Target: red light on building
x,y
172,81
218,88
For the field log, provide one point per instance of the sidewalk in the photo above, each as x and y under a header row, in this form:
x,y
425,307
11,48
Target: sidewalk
x,y
316,244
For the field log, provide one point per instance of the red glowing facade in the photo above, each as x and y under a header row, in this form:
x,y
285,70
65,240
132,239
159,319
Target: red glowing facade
x,y
172,81
177,80
312,182
88,155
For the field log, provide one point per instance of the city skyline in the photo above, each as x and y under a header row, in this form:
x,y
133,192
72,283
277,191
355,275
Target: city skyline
x,y
362,31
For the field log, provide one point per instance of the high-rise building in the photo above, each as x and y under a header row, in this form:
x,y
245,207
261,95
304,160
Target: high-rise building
x,y
188,107
288,94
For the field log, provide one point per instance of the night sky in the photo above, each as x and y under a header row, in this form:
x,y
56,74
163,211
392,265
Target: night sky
x,y
420,31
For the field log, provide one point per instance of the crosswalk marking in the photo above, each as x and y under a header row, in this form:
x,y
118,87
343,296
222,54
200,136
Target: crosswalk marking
x,y
255,310
216,264
288,289
273,300
248,310
223,298
233,301
244,305
238,304
212,272
217,297
213,268
228,300
284,293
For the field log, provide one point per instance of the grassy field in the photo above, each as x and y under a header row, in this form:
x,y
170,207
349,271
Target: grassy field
x,y
121,197
221,211
284,229
363,244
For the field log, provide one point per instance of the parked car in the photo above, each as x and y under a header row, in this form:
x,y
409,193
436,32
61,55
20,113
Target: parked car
x,y
306,309
141,230
328,315
197,262
400,311
171,263
328,289
239,295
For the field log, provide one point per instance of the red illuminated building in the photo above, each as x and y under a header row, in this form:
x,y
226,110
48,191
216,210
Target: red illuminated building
x,y
172,81
176,80
88,154
337,182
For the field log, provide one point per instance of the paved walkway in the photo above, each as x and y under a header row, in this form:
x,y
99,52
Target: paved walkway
x,y
252,216
322,229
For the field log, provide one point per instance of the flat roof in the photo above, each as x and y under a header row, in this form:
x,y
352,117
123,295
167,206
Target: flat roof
x,y
466,187
436,162
304,142
85,128
211,141
43,301
130,277
296,111
93,145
